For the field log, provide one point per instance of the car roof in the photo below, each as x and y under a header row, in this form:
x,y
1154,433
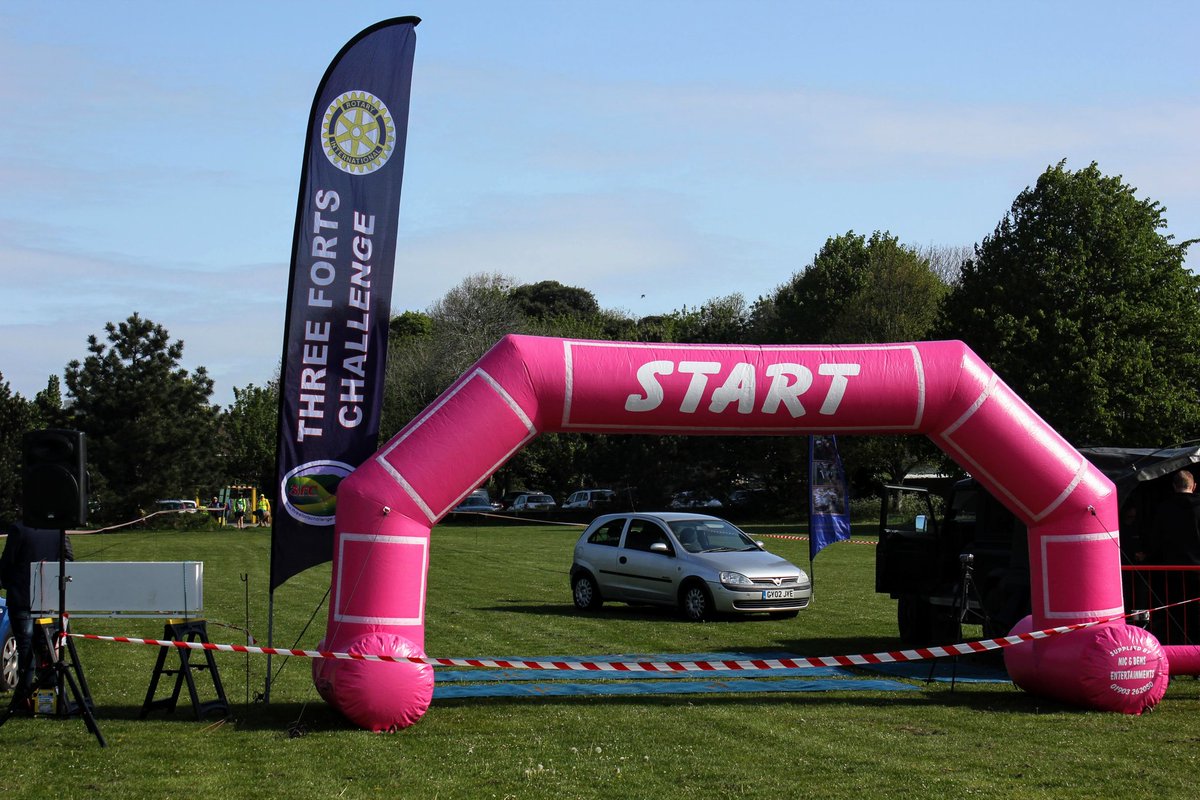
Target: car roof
x,y
665,516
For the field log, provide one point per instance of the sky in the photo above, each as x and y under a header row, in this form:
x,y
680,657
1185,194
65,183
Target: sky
x,y
657,153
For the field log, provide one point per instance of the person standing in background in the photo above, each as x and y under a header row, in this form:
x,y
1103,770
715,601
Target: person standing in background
x,y
1176,528
263,512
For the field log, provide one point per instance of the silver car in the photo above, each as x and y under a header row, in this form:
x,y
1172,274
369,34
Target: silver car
x,y
533,502
700,564
477,502
589,498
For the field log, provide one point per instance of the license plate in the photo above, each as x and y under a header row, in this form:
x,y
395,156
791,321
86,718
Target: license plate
x,y
778,594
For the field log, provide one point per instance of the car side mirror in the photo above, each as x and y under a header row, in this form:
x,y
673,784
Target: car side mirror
x,y
660,547
761,546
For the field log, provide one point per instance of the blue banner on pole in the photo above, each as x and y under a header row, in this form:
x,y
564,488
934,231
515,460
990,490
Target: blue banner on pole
x,y
829,496
339,292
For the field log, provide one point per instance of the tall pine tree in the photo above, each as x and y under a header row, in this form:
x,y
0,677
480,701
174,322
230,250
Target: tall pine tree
x,y
150,428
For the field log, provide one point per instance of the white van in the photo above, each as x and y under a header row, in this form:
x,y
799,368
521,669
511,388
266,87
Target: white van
x,y
590,498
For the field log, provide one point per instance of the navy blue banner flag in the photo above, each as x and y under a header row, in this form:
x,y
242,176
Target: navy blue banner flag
x,y
339,293
829,498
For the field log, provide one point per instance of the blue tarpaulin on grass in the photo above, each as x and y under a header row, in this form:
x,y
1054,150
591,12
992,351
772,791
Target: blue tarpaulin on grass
x,y
455,683
600,687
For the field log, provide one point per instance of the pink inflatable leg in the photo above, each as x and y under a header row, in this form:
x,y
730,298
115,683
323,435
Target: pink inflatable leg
x,y
1111,667
377,607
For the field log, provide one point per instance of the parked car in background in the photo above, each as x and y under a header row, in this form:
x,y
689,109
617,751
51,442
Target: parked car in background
x,y
508,498
749,501
694,499
8,651
589,498
186,506
697,563
478,502
533,501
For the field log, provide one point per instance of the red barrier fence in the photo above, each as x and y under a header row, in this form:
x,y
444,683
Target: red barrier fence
x,y
1154,586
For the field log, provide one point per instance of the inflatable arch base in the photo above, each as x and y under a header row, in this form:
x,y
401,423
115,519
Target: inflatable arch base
x,y
379,696
1113,667
1184,659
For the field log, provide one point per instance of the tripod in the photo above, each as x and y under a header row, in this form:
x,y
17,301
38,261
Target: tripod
x,y
59,646
962,603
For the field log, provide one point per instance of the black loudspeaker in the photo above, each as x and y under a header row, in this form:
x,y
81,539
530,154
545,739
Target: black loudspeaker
x,y
54,479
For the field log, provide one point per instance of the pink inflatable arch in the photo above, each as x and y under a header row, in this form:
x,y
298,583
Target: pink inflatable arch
x,y
525,386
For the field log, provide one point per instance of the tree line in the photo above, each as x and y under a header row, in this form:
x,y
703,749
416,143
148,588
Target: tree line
x,y
1078,299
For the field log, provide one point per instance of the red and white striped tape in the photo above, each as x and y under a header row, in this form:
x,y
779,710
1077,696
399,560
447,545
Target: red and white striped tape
x,y
896,656
798,538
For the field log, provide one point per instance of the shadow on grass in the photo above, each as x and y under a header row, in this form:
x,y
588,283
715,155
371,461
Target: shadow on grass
x,y
297,719
623,611
288,718
293,719
619,612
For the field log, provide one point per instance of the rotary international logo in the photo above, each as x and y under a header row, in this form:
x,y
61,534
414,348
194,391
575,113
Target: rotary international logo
x,y
358,133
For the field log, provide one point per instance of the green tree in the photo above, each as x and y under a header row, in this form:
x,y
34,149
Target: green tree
x,y
151,430
409,324
249,429
549,299
48,411
1084,306
722,320
427,352
856,290
859,289
15,419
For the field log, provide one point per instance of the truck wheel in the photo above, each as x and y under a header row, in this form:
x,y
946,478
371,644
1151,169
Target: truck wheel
x,y
913,624
945,627
923,624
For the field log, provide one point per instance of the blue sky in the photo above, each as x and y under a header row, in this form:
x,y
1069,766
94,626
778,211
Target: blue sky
x,y
659,154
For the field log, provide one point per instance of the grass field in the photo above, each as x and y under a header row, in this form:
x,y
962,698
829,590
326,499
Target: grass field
x,y
502,591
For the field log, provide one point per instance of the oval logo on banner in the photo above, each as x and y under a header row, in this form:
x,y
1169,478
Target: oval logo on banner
x,y
309,491
358,133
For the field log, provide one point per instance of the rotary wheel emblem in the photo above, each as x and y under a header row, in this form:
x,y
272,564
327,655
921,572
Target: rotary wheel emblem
x,y
358,133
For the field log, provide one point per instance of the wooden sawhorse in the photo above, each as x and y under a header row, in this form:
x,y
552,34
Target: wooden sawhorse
x,y
192,630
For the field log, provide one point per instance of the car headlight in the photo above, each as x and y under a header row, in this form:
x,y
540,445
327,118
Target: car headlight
x,y
735,579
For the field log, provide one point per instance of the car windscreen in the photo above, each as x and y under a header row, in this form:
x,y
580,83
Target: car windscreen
x,y
710,536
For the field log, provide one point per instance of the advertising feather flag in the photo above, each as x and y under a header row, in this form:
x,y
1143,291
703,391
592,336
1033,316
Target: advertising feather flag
x,y
829,498
339,291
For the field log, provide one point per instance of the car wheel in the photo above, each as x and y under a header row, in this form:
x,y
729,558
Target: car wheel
x,y
585,592
695,603
8,664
